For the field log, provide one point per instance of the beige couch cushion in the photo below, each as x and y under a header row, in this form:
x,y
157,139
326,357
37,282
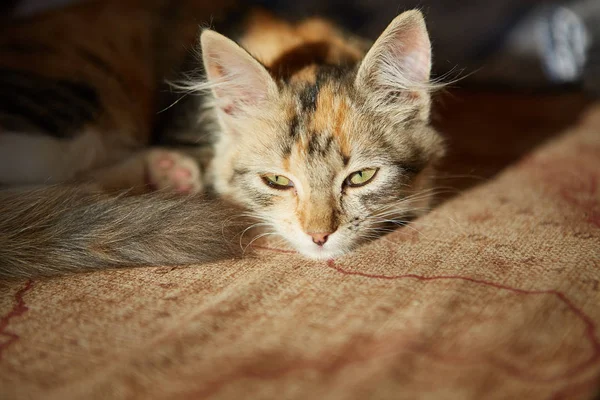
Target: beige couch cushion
x,y
495,294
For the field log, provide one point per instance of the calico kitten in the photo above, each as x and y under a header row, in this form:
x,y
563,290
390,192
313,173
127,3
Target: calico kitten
x,y
321,138
322,142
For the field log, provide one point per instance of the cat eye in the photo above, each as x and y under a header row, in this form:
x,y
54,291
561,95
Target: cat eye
x,y
360,178
279,182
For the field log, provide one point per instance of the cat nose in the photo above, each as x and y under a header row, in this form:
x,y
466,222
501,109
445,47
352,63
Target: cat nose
x,y
320,238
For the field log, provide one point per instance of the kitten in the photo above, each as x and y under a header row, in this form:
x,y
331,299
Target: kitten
x,y
322,143
324,140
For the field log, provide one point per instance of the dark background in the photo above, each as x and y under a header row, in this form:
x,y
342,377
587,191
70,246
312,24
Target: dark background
x,y
508,44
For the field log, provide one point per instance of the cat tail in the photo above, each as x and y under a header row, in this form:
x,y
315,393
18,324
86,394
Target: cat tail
x,y
57,230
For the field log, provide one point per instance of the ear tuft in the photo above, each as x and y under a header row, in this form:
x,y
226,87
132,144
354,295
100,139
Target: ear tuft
x,y
236,78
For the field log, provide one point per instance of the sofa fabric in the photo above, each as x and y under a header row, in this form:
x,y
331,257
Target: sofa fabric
x,y
495,294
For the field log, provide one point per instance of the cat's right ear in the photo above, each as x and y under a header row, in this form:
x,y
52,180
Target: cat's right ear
x,y
237,80
398,65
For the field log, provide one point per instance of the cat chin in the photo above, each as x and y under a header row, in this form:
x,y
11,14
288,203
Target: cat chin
x,y
321,253
335,247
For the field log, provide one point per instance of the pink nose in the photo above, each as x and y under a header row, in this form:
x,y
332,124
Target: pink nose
x,y
320,238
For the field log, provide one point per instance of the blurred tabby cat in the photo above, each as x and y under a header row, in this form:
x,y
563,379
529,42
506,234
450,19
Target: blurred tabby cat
x,y
322,138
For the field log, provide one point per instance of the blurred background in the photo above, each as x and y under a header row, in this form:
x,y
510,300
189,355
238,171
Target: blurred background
x,y
510,44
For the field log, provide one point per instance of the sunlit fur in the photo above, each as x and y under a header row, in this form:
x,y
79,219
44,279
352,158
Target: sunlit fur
x,y
306,107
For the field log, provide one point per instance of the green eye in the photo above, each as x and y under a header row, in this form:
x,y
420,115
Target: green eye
x,y
277,181
360,178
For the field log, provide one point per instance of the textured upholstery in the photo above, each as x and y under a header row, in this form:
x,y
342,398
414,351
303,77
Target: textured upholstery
x,y
493,295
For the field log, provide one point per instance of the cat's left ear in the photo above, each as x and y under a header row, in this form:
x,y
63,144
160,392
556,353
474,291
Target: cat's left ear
x,y
236,78
398,65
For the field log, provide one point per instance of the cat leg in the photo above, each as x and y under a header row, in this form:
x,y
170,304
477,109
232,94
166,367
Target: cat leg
x,y
151,170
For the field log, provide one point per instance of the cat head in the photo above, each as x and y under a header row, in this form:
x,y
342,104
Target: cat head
x,y
331,154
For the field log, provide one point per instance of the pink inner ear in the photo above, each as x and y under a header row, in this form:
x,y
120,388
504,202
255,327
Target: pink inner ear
x,y
416,65
411,50
232,99
239,80
243,86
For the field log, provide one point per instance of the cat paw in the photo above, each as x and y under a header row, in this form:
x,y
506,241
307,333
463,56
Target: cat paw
x,y
169,170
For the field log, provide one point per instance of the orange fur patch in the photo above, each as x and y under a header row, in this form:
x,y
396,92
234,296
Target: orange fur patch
x,y
331,114
293,49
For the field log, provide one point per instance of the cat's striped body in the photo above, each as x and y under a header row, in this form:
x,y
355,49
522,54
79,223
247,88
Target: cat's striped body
x,y
85,82
64,79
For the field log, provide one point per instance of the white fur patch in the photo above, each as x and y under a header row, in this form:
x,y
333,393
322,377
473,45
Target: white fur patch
x,y
33,159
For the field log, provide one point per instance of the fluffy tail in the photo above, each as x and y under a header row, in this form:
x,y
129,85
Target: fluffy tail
x,y
57,230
